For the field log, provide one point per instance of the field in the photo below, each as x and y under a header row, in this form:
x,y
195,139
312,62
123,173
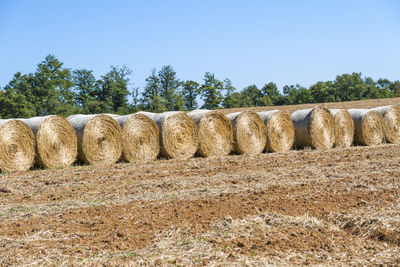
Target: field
x,y
333,207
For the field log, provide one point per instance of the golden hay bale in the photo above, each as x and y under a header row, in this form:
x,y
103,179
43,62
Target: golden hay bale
x,y
178,134
140,138
313,127
17,146
280,130
56,142
99,138
215,133
344,128
391,123
249,131
368,126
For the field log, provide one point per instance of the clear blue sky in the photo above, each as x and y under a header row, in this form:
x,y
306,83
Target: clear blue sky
x,y
250,42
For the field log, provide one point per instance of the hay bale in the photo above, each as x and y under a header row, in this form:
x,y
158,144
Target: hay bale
x,y
249,132
314,127
17,146
178,134
56,142
391,123
99,138
344,128
280,130
368,126
215,133
140,138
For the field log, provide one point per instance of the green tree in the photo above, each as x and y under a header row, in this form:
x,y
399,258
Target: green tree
x,y
86,89
251,96
52,90
190,91
169,85
320,92
231,99
349,87
211,92
271,91
152,100
112,90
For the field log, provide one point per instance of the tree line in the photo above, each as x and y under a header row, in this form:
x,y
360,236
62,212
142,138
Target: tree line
x,y
54,89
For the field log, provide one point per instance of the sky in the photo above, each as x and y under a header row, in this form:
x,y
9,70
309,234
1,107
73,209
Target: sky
x,y
249,42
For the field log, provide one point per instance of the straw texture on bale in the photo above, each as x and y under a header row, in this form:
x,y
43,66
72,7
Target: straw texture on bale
x,y
215,133
178,134
391,123
17,146
99,138
56,142
368,126
280,130
344,128
140,138
249,131
314,127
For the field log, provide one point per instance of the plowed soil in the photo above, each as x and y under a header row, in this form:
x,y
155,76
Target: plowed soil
x,y
333,207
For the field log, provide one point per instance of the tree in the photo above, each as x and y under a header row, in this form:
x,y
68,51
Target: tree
x,y
211,92
15,105
52,88
85,88
152,100
169,85
113,91
349,87
190,91
271,91
251,96
320,92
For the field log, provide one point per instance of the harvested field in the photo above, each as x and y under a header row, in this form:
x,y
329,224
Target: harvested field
x,y
334,207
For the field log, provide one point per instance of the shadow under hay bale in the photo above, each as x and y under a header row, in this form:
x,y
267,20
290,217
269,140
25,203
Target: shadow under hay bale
x,y
99,138
178,134
56,141
368,126
314,127
215,133
391,123
249,131
344,128
280,130
140,138
17,146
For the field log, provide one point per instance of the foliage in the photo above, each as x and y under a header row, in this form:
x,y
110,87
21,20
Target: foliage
x,y
54,89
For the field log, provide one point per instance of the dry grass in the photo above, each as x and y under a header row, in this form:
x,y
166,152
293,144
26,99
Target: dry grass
x,y
56,141
215,133
140,138
99,138
249,131
314,128
368,125
17,146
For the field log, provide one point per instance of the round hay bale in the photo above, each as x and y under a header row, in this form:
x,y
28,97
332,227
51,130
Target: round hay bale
x,y
215,133
178,134
99,138
249,132
344,128
56,142
17,146
314,127
280,130
140,138
368,125
391,123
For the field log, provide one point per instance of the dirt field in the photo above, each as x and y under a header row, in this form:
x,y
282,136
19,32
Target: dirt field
x,y
335,207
